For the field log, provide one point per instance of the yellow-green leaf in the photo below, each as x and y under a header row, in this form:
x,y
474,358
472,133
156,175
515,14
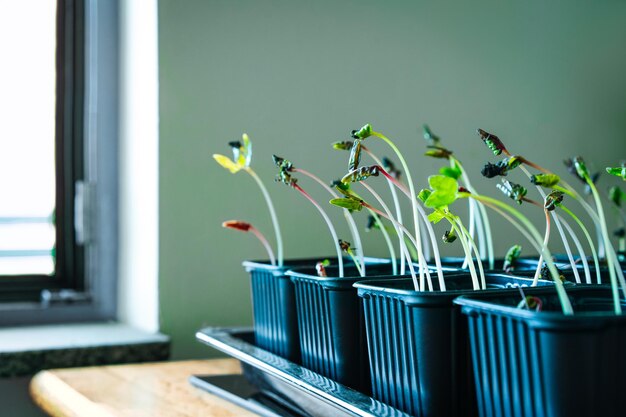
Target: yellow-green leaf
x,y
227,163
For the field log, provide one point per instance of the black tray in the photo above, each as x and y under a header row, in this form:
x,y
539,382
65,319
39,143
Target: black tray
x,y
303,392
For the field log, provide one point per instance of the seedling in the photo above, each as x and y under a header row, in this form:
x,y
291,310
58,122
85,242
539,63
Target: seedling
x,y
510,259
247,227
242,158
618,171
285,169
320,267
478,219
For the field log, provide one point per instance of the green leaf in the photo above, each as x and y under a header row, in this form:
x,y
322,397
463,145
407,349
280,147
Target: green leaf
x,y
347,203
436,216
617,171
450,172
227,163
443,183
424,194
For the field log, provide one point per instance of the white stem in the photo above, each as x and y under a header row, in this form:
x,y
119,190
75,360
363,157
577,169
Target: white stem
x,y
579,248
270,206
392,252
330,227
483,282
589,241
354,231
265,243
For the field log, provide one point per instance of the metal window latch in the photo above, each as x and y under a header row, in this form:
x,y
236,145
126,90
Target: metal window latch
x,y
83,212
64,296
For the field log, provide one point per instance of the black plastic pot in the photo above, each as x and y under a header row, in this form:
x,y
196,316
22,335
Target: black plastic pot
x,y
546,364
418,345
274,304
332,330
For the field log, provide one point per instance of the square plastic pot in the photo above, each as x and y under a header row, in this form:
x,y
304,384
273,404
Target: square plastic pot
x,y
546,364
418,343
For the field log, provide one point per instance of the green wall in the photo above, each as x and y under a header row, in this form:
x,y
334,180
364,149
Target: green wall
x,y
547,77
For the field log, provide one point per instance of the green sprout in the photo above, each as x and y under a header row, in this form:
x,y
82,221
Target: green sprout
x,y
492,141
553,200
545,180
242,158
478,219
443,192
347,248
618,171
511,257
501,168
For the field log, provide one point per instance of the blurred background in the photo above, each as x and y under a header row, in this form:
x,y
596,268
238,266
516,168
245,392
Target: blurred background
x,y
546,77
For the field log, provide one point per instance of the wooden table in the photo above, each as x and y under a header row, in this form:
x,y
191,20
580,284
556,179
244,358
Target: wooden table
x,y
151,390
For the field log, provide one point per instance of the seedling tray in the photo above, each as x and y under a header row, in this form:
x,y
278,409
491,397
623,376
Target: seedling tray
x,y
303,392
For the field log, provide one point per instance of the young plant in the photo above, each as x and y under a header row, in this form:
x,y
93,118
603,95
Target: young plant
x,y
478,218
618,171
354,202
242,157
356,148
365,132
513,161
284,176
354,231
347,248
511,258
444,192
247,227
526,228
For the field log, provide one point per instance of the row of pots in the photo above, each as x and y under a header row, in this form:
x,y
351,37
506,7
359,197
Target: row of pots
x,y
454,353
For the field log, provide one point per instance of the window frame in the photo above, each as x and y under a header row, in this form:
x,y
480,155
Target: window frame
x,y
87,175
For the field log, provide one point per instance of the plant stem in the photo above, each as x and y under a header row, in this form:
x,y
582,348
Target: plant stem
x,y
396,203
265,243
589,241
483,214
409,180
399,227
403,247
354,231
429,227
607,244
328,223
270,206
468,243
392,252
565,302
579,248
559,228
546,239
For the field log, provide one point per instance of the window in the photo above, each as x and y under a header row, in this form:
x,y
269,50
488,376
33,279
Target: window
x,y
63,213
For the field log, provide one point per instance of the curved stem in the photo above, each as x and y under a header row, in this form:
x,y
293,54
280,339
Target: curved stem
x,y
471,242
429,227
607,245
565,302
264,242
413,197
328,223
270,206
392,252
354,231
398,225
396,203
579,248
589,241
568,251
403,247
546,239
483,215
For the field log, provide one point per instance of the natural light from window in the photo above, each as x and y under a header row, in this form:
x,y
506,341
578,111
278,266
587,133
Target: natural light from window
x,y
27,127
